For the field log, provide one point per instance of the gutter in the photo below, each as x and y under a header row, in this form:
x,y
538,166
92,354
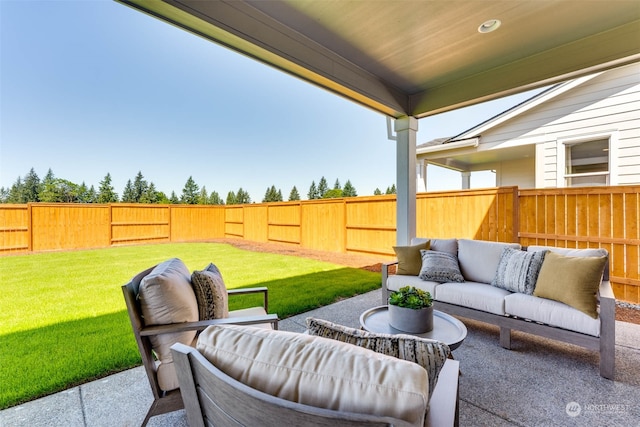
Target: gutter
x,y
465,143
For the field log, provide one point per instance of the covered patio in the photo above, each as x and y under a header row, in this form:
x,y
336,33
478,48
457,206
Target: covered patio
x,y
531,385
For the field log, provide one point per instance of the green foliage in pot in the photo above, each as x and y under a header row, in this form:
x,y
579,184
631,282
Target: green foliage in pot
x,y
411,297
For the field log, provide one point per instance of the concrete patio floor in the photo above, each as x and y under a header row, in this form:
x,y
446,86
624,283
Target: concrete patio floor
x,y
531,385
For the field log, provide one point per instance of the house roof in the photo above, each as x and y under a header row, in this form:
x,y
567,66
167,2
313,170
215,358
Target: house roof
x,y
418,58
521,108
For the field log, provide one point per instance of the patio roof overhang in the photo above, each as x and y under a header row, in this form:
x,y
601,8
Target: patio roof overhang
x,y
417,58
410,59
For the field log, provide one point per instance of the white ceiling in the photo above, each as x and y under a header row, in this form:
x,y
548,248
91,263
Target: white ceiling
x,y
418,58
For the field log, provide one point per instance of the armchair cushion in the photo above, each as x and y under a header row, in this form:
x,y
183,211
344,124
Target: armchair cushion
x,y
211,293
166,297
429,354
318,371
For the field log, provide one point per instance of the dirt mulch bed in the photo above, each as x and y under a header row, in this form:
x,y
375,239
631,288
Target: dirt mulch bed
x,y
624,312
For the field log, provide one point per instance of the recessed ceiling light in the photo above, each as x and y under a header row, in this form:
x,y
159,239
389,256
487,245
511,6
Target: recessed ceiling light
x,y
489,26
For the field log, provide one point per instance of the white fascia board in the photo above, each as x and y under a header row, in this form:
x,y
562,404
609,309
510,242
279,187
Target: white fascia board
x,y
525,106
472,142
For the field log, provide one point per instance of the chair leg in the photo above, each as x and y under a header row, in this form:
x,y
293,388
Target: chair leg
x,y
505,337
168,403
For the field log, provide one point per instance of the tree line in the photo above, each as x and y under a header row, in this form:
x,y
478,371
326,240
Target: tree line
x,y
52,189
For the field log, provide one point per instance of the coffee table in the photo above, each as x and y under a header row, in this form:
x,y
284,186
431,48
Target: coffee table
x,y
446,328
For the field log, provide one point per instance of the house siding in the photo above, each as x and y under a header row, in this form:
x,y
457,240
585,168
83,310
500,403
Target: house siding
x,y
606,104
516,172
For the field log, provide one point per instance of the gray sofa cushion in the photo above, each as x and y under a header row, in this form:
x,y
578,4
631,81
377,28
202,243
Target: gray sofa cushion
x,y
479,259
441,245
552,313
473,295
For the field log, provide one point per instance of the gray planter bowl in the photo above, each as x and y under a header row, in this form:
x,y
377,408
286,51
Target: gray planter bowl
x,y
411,320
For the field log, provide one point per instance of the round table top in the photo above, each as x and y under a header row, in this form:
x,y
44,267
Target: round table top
x,y
446,328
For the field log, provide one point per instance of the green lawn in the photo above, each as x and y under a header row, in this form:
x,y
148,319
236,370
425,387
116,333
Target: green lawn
x,y
63,320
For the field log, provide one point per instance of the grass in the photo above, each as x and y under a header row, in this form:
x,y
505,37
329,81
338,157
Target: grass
x,y
63,320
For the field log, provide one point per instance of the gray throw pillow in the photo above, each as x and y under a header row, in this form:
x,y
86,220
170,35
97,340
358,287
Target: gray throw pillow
x,y
211,293
429,354
440,267
518,270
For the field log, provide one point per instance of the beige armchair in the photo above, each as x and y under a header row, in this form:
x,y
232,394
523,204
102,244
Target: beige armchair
x,y
155,338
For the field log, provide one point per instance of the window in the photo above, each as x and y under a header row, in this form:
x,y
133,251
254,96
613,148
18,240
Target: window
x,y
586,163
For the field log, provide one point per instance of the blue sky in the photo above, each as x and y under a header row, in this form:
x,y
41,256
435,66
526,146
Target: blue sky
x,y
93,87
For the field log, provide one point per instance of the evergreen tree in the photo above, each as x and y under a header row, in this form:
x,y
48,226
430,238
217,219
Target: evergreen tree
x,y
174,199
294,195
391,190
4,195
272,195
377,192
215,199
203,197
48,191
242,197
140,187
83,193
106,192
322,187
190,192
313,191
150,195
92,196
17,193
337,186
349,190
231,198
128,195
31,187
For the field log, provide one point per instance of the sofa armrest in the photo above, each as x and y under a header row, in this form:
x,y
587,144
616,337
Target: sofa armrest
x,y
606,290
385,276
607,330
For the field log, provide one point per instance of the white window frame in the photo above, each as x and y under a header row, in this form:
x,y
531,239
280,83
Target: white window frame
x,y
561,150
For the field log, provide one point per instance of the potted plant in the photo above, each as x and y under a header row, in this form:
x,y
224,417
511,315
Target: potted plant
x,y
411,310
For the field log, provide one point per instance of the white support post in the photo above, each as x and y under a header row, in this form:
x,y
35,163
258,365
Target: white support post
x,y
421,176
466,180
406,129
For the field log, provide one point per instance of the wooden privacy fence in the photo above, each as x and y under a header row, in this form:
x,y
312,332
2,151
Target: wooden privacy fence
x,y
605,217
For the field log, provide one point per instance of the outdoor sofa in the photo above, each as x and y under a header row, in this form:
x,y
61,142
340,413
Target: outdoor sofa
x,y
557,293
